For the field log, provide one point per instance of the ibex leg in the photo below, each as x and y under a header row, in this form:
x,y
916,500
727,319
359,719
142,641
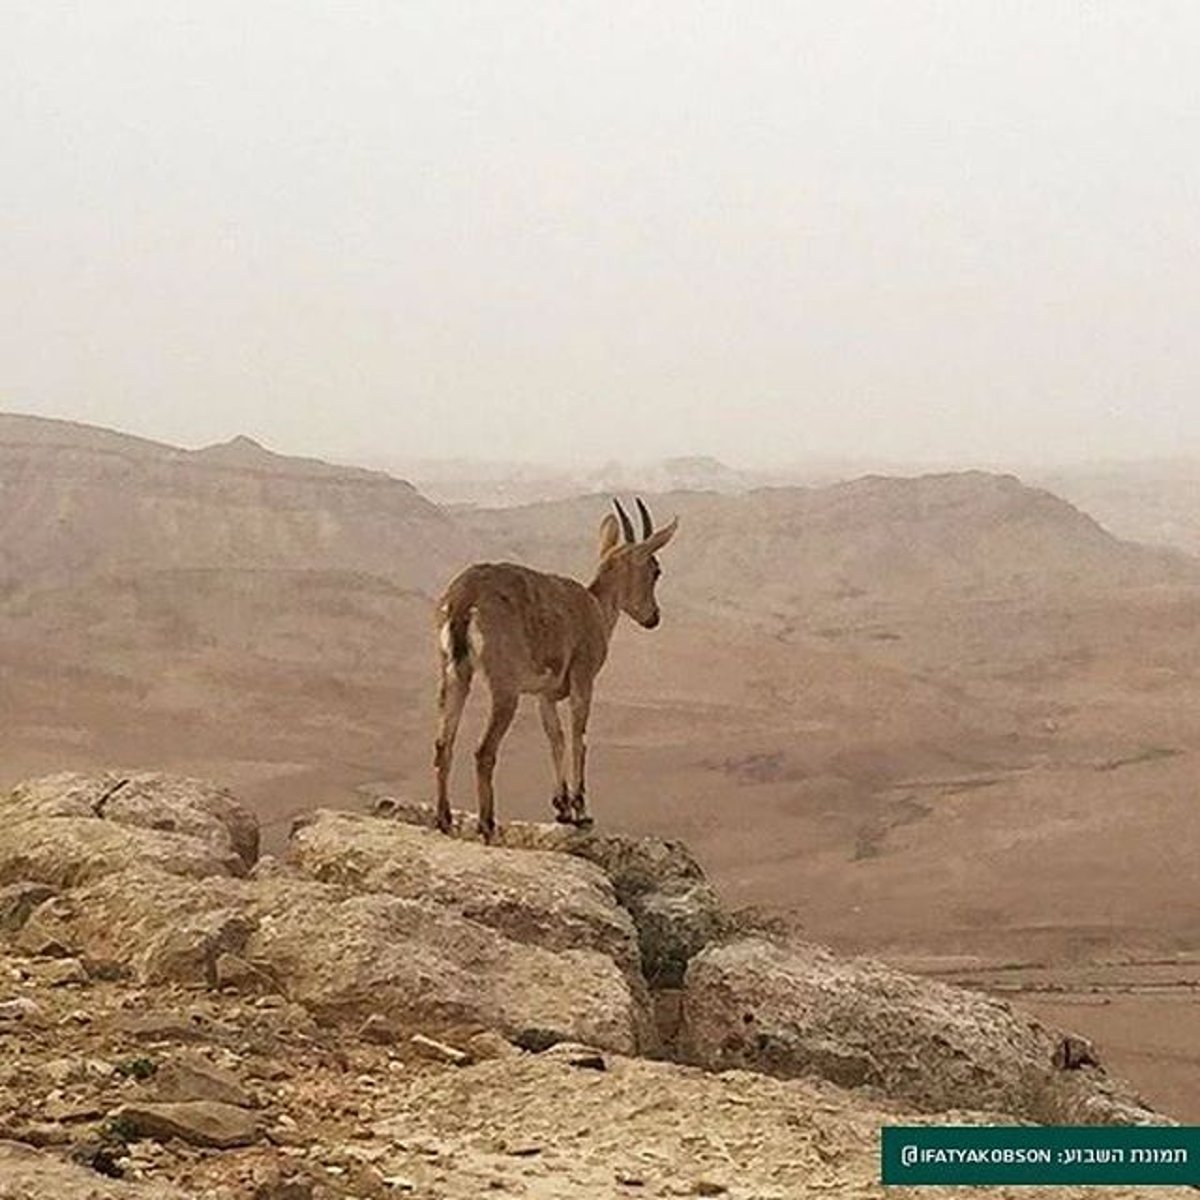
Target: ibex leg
x,y
581,704
558,744
504,708
452,697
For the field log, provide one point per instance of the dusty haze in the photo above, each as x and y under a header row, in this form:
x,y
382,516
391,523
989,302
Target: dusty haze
x,y
963,232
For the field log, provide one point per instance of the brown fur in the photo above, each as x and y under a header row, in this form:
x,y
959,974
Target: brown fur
x,y
530,632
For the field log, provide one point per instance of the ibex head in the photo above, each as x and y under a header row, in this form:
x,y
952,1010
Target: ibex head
x,y
629,565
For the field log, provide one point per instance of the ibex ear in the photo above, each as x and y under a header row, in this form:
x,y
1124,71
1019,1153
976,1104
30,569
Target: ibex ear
x,y
610,534
660,537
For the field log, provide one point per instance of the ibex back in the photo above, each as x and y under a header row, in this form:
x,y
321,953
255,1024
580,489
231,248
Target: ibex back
x,y
530,632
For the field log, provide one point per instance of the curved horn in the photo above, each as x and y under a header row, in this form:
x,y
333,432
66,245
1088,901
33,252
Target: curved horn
x,y
626,523
647,523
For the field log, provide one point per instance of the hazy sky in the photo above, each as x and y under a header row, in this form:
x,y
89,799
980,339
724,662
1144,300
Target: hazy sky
x,y
572,231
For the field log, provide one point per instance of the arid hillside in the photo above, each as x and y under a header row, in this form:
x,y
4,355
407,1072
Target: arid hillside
x,y
872,539
1153,502
77,501
949,719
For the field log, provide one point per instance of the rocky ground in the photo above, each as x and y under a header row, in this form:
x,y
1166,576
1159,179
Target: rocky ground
x,y
388,1012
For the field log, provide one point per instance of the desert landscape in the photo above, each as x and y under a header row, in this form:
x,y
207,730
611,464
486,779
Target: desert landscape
x,y
945,720
892,759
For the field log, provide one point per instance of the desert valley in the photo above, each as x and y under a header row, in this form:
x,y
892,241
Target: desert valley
x,y
950,720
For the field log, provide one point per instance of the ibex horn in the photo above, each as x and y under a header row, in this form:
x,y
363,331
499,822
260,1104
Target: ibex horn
x,y
626,523
647,523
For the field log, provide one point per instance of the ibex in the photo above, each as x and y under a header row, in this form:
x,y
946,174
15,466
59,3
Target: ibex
x,y
530,632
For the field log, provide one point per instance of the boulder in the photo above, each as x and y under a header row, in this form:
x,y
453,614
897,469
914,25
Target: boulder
x,y
536,898
65,853
187,1076
63,830
797,1010
346,955
164,927
197,1122
194,808
674,908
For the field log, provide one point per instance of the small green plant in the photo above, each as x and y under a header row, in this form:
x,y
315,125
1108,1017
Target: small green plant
x,y
118,1130
140,1067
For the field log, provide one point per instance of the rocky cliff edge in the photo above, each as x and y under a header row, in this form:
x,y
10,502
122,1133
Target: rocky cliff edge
x,y
386,1010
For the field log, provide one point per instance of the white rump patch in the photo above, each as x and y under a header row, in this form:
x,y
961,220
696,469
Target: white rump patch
x,y
474,639
475,636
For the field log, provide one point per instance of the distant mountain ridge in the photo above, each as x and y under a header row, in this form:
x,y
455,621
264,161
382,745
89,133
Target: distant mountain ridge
x,y
1153,502
868,537
509,485
683,473
75,499
242,453
18,431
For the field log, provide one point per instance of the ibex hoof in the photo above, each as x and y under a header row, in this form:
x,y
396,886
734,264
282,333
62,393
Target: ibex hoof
x,y
579,812
444,822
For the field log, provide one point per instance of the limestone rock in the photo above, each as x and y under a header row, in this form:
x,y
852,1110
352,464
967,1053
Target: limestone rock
x,y
63,830
65,853
657,881
191,808
536,898
185,1076
166,928
234,972
799,1011
64,972
675,922
345,956
488,1044
188,952
31,941
197,1122
155,1028
389,928
284,1184
19,1009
